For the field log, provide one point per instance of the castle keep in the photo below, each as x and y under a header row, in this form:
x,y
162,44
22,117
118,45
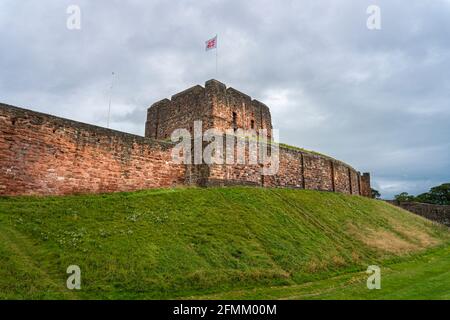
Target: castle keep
x,y
215,105
46,155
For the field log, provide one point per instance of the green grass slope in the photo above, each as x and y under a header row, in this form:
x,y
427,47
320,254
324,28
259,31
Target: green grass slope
x,y
200,242
424,276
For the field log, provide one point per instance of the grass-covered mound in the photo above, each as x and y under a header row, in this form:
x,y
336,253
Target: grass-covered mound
x,y
187,242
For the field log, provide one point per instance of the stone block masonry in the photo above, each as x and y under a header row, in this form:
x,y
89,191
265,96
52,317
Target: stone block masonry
x,y
307,170
434,212
215,105
45,155
298,169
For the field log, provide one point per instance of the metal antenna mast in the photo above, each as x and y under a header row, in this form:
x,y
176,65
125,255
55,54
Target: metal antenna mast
x,y
110,98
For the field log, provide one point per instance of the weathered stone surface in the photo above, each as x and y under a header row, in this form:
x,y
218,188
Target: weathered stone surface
x,y
43,154
215,104
366,191
434,212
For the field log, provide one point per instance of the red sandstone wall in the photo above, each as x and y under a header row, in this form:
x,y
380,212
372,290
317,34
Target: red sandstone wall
x,y
290,173
42,154
181,111
297,169
233,174
317,173
250,114
434,212
355,180
365,185
306,170
341,178
214,104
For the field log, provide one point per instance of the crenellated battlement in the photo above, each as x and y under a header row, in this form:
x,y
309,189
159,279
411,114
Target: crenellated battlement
x,y
214,104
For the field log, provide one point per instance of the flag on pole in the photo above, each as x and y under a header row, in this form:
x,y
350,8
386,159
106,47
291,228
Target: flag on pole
x,y
211,43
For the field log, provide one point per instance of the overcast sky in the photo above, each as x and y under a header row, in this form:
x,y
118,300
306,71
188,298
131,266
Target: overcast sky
x,y
376,99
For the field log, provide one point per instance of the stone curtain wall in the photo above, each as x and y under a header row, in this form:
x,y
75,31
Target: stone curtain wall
x,y
434,212
44,155
307,170
298,169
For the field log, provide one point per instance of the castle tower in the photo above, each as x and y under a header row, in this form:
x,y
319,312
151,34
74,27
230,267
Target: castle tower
x,y
215,105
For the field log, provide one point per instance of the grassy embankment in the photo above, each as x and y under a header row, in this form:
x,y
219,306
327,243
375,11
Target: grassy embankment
x,y
218,243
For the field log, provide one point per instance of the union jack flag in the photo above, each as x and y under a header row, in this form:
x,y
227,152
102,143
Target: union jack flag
x,y
211,43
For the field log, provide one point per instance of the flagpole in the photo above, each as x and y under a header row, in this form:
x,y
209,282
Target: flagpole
x,y
217,57
110,98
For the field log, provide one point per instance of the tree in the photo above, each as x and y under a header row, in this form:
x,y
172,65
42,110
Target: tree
x,y
424,198
439,194
436,195
404,197
375,194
